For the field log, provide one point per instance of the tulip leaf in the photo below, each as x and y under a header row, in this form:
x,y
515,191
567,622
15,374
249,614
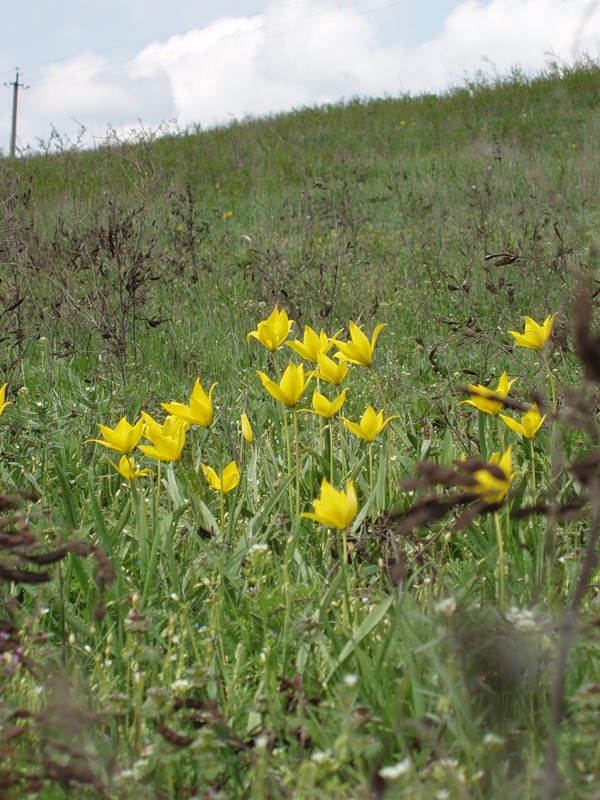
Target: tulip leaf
x,y
34,483
363,630
64,480
447,454
257,530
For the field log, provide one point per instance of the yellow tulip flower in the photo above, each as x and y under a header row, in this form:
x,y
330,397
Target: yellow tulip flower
x,y
128,469
324,407
228,479
200,410
167,439
170,426
152,428
535,336
291,386
247,429
370,425
330,370
4,403
332,508
490,401
493,481
273,332
359,350
311,345
122,438
530,424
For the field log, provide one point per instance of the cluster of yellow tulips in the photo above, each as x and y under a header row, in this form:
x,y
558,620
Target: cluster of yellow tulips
x,y
165,440
337,509
333,508
493,484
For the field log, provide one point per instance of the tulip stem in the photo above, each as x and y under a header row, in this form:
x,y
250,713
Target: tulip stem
x,y
501,434
330,451
533,476
139,511
297,454
276,367
320,421
288,447
222,507
482,435
157,494
552,381
371,467
388,433
343,441
501,562
286,590
380,390
344,568
538,545
218,446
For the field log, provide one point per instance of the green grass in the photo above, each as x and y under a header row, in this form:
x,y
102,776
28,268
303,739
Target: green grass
x,y
192,645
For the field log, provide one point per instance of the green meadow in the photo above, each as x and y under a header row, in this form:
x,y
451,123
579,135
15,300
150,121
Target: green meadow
x,y
355,556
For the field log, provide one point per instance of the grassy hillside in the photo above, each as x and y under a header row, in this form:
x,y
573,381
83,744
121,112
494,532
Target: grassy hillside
x,y
333,212
432,632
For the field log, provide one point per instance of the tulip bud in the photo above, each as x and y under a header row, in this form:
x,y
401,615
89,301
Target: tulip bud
x,y
247,430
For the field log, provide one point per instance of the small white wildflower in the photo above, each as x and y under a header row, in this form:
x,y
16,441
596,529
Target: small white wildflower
x,y
493,740
396,770
180,684
261,547
261,742
446,607
523,619
350,680
321,756
443,794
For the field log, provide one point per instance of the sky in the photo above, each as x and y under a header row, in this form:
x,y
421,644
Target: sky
x,y
90,68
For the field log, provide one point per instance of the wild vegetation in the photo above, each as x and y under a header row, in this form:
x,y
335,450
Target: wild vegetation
x,y
336,535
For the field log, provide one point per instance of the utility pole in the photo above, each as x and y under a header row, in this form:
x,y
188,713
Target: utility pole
x,y
13,129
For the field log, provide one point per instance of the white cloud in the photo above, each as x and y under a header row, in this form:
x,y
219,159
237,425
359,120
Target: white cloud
x,y
302,53
511,32
90,91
